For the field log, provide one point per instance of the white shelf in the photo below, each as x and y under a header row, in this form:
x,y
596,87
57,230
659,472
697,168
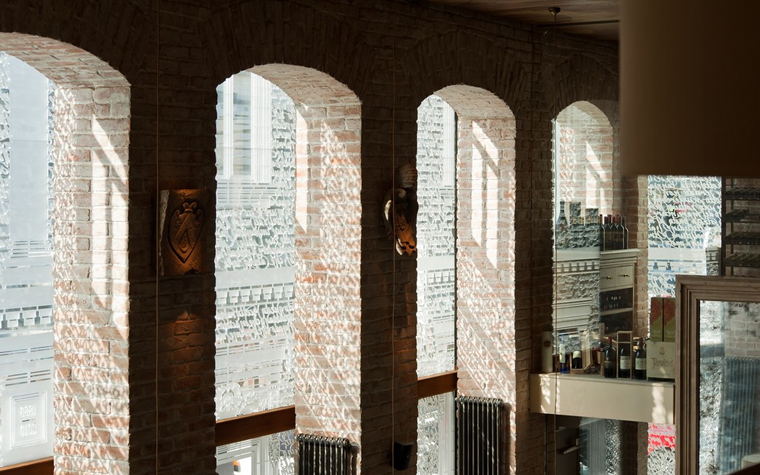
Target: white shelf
x,y
602,398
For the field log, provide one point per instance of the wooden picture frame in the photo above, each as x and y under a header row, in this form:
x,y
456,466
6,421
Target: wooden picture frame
x,y
691,291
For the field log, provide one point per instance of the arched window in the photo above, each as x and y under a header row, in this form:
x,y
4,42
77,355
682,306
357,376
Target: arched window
x,y
64,138
466,261
26,260
436,279
288,257
584,188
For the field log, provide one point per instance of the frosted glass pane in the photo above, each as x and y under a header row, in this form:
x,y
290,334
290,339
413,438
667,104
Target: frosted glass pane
x,y
436,450
684,237
26,288
729,385
436,275
268,455
255,257
684,229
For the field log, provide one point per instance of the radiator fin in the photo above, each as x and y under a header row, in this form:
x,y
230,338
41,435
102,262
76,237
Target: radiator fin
x,y
479,426
319,455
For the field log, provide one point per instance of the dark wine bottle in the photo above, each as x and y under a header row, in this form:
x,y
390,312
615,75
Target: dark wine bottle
x,y
610,360
625,361
560,234
625,235
617,233
607,239
600,230
640,361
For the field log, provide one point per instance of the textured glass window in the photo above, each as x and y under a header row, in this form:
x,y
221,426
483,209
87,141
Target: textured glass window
x,y
26,287
244,120
268,455
729,386
436,293
684,238
255,249
436,447
436,279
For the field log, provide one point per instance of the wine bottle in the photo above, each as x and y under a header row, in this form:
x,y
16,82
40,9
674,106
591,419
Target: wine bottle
x,y
610,361
625,361
625,235
616,233
601,232
640,361
560,234
607,239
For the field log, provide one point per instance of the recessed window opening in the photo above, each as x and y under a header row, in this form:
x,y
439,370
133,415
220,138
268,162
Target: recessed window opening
x,y
26,258
64,145
255,259
436,279
287,258
466,250
583,190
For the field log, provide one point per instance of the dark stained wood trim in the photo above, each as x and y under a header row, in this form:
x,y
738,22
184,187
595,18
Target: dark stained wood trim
x,y
751,470
256,425
35,467
437,384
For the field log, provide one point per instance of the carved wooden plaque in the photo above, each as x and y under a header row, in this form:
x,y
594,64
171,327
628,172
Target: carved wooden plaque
x,y
183,222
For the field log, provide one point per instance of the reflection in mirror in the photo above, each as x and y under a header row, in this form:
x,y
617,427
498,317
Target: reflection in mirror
x,y
729,384
583,189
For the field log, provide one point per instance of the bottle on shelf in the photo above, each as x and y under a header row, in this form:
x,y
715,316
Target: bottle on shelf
x,y
625,234
607,239
625,361
617,233
560,235
601,232
610,360
640,361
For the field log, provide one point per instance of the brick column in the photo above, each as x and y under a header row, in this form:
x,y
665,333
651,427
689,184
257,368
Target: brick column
x,y
328,252
485,255
91,395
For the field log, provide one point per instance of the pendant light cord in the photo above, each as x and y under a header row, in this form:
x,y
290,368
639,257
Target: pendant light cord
x,y
393,246
555,155
157,221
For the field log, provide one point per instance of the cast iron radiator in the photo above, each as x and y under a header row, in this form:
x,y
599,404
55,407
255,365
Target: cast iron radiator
x,y
738,412
479,425
323,455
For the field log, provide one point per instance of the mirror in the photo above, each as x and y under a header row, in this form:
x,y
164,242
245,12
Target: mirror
x,y
718,368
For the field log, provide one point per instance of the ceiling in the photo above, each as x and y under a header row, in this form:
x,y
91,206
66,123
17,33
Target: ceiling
x,y
599,19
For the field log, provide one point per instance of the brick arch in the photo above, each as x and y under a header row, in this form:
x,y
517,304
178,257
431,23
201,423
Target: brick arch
x,y
485,249
328,250
99,28
586,156
90,263
433,71
304,35
582,78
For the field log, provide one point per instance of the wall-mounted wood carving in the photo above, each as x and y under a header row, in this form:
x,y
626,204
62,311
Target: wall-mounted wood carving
x,y
400,210
183,226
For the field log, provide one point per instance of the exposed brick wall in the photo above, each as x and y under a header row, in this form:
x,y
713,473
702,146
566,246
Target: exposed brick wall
x,y
485,253
390,56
